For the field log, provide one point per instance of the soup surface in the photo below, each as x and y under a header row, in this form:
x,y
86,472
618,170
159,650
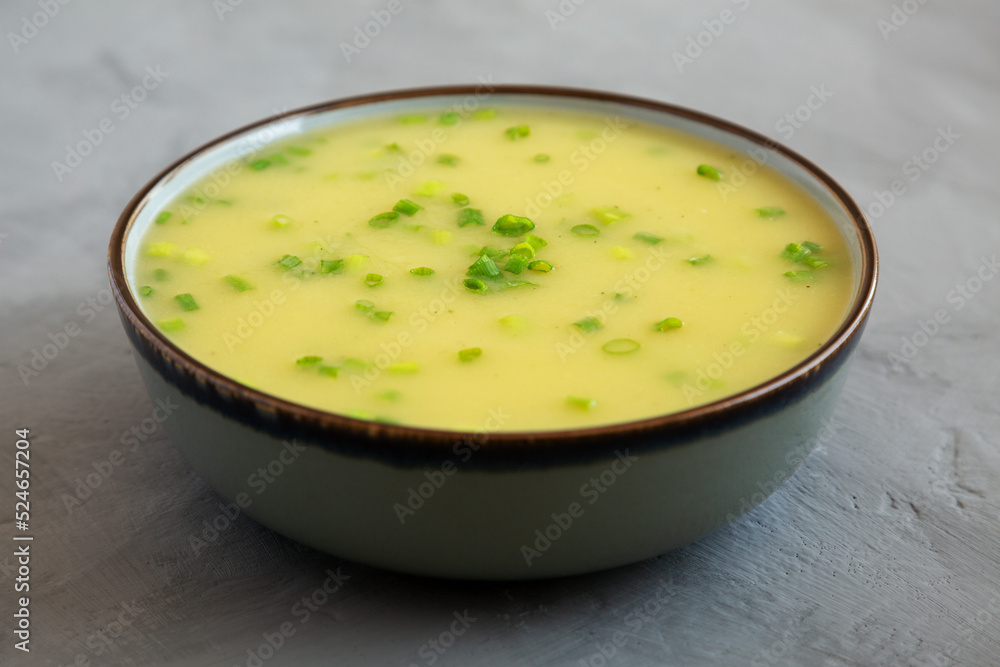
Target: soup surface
x,y
511,268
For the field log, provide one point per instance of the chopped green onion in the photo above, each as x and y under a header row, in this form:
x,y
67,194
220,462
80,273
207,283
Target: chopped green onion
x,y
281,221
484,114
161,274
620,346
517,132
162,217
172,324
609,214
422,271
696,261
238,283
289,262
329,371
413,119
517,282
475,285
589,325
581,403
389,395
811,247
146,290
393,148
429,188
815,262
484,267
449,118
331,265
793,252
364,304
711,173
513,323
448,159
540,266
541,158
525,250
407,207
460,199
404,367
516,263
535,242
585,230
277,158
513,225
258,165
469,353
651,239
160,249
770,212
470,216
373,279
668,324
298,150
308,360
383,220
380,315
186,302
799,276
493,253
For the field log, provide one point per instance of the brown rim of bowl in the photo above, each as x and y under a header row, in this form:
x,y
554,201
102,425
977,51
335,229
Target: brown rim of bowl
x,y
438,443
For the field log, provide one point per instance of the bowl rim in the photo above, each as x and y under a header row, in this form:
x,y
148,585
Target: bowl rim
x,y
337,432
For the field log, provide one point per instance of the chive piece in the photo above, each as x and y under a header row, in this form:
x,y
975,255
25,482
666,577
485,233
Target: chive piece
x,y
609,214
449,118
331,265
383,220
393,148
460,199
651,239
696,261
258,165
407,207
161,275
469,354
146,290
495,254
525,250
513,225
277,158
581,403
513,323
186,301
541,158
770,212
373,279
162,217
517,282
237,283
380,315
470,216
298,150
811,247
160,249
516,263
799,276
540,266
404,367
329,371
620,346
413,119
535,242
589,325
668,324
794,252
289,262
484,267
585,230
711,173
484,114
281,221
389,395
815,262
448,159
422,271
364,304
308,360
475,285
429,188
172,324
517,132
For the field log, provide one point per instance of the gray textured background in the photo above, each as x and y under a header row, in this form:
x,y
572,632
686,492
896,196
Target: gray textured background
x,y
883,547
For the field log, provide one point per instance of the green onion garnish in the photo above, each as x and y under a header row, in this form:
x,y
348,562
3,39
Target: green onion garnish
x,y
484,114
540,266
811,247
609,214
390,395
172,324
668,324
770,212
404,367
469,353
422,271
186,302
525,250
495,254
239,284
407,207
470,216
711,173
815,262
581,403
329,371
799,276
513,225
161,274
541,158
475,285
536,242
449,118
460,199
298,150
146,290
383,220
484,267
429,188
373,279
364,304
289,262
281,221
513,323
162,217
308,360
517,282
260,164
516,263
696,261
585,230
517,132
620,346
277,158
380,315
448,159
413,119
794,252
331,265
393,148
589,325
651,239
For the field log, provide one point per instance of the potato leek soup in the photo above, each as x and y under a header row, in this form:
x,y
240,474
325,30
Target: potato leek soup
x,y
513,268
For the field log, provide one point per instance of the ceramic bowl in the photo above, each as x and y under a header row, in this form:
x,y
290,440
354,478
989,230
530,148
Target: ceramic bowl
x,y
490,505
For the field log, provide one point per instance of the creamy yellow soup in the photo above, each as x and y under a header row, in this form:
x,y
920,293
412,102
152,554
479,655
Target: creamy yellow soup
x,y
509,269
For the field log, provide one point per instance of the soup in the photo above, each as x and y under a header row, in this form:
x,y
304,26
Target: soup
x,y
513,268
